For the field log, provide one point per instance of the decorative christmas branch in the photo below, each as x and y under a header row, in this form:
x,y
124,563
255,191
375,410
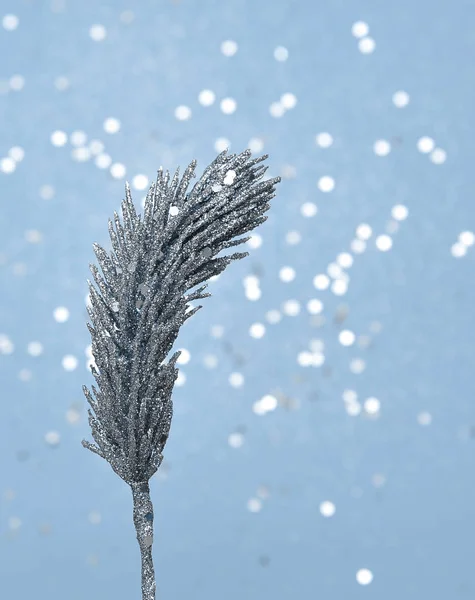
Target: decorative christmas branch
x,y
141,303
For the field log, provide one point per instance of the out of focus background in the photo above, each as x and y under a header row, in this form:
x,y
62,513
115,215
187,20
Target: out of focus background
x,y
322,443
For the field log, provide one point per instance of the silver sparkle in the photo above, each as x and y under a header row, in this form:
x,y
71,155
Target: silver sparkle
x,y
141,302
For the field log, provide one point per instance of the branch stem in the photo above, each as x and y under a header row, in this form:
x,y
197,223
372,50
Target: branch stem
x,y
143,521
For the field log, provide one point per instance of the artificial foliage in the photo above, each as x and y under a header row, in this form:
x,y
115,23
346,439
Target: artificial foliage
x,y
143,297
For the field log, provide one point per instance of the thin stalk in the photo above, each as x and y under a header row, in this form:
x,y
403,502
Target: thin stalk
x,y
143,521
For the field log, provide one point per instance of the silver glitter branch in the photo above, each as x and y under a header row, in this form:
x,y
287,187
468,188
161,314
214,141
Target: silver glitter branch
x,y
141,301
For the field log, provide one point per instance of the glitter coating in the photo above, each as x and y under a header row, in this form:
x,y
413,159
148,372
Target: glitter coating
x,y
141,301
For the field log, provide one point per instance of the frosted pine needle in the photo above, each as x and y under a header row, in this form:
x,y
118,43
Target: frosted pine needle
x,y
142,299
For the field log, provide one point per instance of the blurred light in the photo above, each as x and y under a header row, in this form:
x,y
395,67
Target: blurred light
x,y
97,33
281,53
366,45
288,100
324,140
61,314
364,577
438,156
287,274
346,337
228,105
425,144
400,99
314,306
206,97
382,147
10,22
326,183
58,138
384,243
327,508
309,209
321,282
182,113
257,330
229,48
360,29
111,125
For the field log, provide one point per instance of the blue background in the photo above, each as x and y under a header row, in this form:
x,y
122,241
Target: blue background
x,y
404,492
